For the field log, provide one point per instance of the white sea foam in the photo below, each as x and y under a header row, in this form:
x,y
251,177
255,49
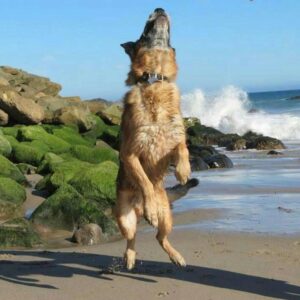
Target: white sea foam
x,y
228,111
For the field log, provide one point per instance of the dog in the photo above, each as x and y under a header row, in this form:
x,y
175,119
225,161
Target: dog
x,y
152,137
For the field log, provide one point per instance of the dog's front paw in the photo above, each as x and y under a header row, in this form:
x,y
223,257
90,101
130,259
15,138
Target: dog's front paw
x,y
177,259
183,171
151,212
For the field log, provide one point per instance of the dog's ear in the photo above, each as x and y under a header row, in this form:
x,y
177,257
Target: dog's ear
x,y
129,48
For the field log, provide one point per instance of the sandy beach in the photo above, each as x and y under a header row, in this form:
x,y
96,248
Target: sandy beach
x,y
220,266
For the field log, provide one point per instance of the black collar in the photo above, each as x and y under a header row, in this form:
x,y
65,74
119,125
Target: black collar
x,y
152,78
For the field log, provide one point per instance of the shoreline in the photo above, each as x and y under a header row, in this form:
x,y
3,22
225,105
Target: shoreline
x,y
220,266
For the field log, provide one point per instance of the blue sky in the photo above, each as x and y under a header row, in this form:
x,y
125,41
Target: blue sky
x,y
251,44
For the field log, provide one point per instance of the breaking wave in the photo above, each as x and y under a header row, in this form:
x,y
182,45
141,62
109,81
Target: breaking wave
x,y
228,111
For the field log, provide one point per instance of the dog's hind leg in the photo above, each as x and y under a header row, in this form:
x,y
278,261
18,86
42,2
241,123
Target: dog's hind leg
x,y
127,221
165,227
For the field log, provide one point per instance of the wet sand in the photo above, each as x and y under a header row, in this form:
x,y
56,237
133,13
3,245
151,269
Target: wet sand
x,y
220,266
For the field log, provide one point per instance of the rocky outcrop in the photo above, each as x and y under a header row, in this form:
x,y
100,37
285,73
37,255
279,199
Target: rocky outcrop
x,y
4,118
20,109
199,134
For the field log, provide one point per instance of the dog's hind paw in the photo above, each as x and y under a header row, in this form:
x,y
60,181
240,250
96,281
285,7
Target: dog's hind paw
x,y
129,259
178,260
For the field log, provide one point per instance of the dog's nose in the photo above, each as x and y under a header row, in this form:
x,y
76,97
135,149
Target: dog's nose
x,y
159,10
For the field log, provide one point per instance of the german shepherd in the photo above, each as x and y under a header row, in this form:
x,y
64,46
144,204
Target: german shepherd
x,y
152,137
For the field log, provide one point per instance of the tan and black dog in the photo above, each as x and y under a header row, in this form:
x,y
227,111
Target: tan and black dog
x,y
152,137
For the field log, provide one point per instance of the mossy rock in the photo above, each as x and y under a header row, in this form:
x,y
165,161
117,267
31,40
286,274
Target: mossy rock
x,y
97,130
11,131
67,209
26,168
12,196
18,233
24,153
5,147
36,132
62,173
8,169
46,166
200,134
111,136
97,183
12,140
94,155
71,136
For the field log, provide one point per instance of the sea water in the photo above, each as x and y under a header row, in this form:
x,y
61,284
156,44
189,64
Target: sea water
x,y
261,193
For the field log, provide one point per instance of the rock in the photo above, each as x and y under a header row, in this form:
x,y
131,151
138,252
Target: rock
x,y
294,98
94,155
5,147
8,169
70,135
26,168
98,183
24,153
97,105
4,118
74,115
239,144
48,162
178,191
12,131
20,109
38,133
273,152
219,161
111,114
202,151
3,81
191,121
111,136
12,196
63,172
18,233
198,164
67,209
88,234
200,134
259,142
96,131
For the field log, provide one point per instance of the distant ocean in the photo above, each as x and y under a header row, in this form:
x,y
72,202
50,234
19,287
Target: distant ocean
x,y
232,110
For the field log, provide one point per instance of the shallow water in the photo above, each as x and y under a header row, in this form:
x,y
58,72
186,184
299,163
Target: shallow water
x,y
252,192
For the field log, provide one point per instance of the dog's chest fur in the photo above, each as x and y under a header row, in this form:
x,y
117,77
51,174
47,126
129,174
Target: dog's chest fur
x,y
158,125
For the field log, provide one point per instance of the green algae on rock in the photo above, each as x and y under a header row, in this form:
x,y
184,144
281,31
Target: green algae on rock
x,y
12,196
94,155
68,209
98,183
36,132
18,233
8,169
5,147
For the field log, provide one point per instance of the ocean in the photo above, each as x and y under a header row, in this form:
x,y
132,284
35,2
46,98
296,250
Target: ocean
x,y
261,194
233,110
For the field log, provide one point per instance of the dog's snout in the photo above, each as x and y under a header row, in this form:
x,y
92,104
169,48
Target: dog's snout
x,y
159,11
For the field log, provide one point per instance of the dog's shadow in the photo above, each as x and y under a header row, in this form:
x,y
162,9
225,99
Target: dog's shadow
x,y
105,267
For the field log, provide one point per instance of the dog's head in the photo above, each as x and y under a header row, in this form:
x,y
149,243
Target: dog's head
x,y
154,39
156,34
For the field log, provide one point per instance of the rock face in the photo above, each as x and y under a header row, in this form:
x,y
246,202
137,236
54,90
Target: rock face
x,y
3,118
12,196
18,233
202,135
22,110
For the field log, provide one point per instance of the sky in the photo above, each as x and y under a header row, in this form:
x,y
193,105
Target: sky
x,y
254,45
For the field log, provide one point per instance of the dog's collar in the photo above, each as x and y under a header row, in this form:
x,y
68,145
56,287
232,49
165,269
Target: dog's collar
x,y
151,78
